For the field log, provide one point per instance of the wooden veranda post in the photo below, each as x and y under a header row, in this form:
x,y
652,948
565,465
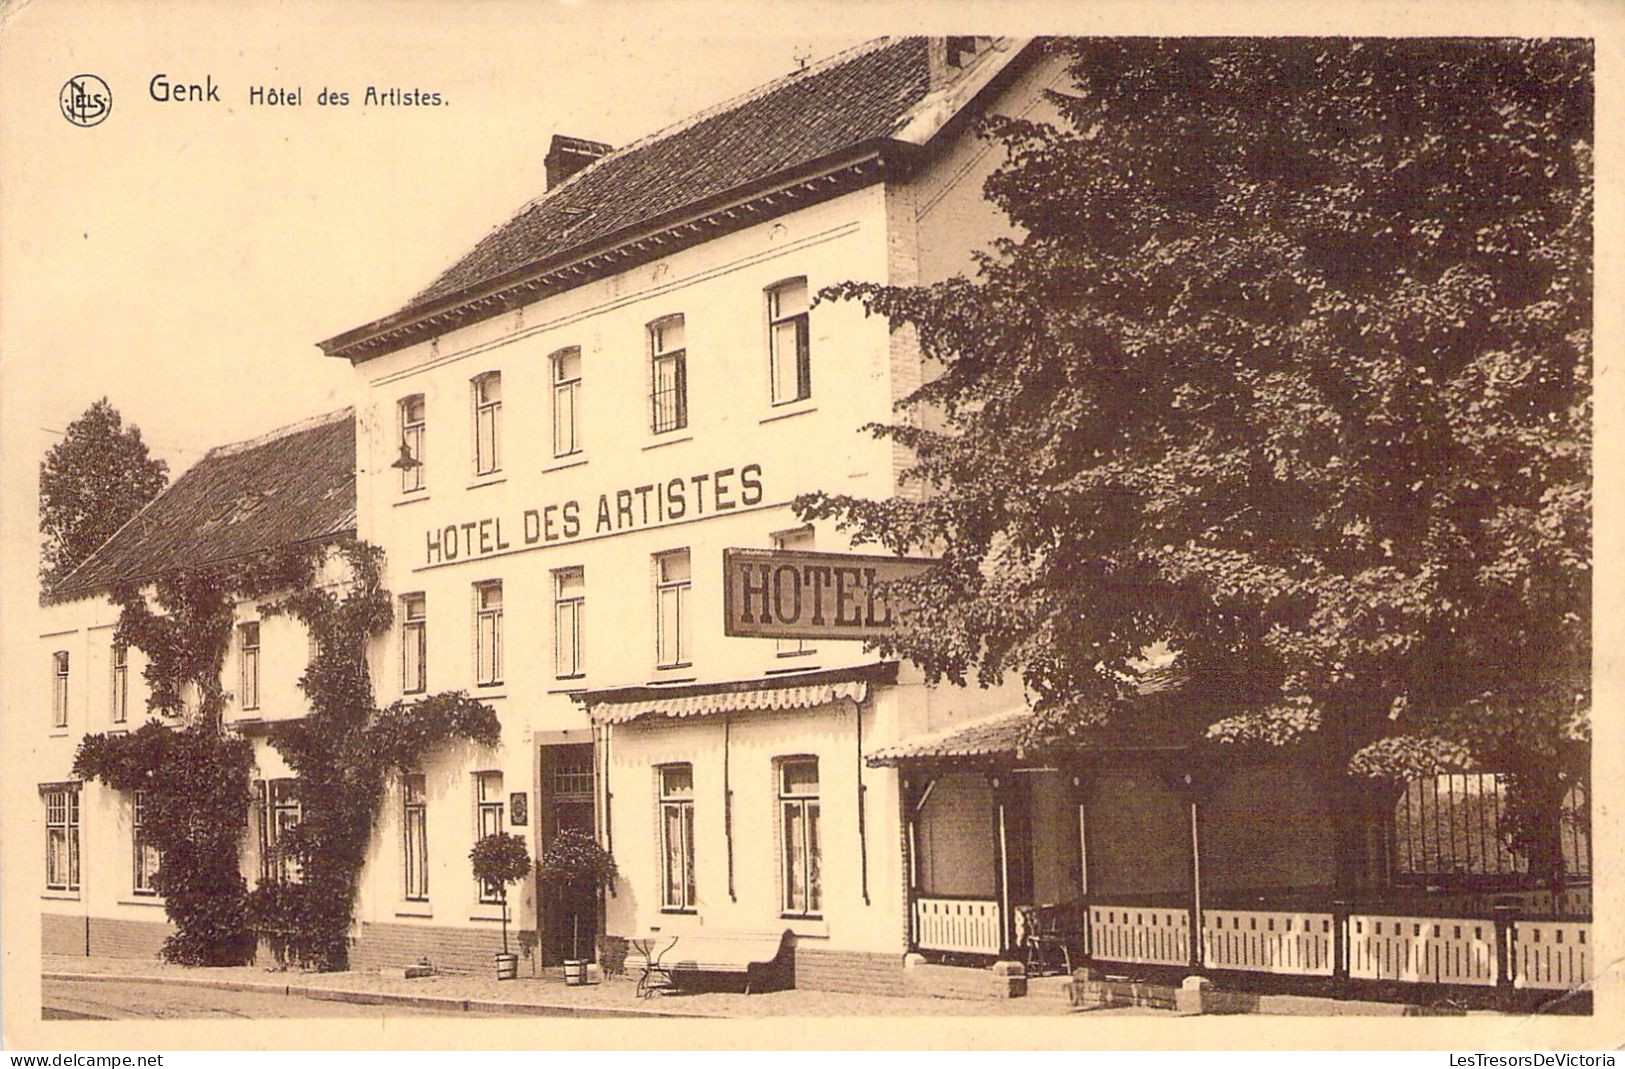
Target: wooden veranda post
x,y
1080,803
1001,861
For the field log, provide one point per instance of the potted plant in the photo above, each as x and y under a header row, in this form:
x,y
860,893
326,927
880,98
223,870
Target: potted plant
x,y
576,865
498,861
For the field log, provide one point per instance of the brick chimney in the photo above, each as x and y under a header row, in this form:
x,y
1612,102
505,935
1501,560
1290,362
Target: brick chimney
x,y
567,155
949,56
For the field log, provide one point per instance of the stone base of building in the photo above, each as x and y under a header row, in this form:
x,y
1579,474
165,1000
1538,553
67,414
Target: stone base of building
x,y
453,950
102,937
1004,979
854,971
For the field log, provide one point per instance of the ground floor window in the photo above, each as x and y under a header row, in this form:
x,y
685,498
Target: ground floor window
x,y
144,855
62,838
798,832
677,837
279,815
415,828
488,817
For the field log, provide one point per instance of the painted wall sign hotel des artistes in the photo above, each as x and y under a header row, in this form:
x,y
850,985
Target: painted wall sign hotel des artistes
x,y
651,504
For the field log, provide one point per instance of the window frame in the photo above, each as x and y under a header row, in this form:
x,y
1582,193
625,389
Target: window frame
x,y
484,407
414,837
681,592
60,669
807,806
279,798
413,434
566,390
790,539
482,614
575,606
119,699
248,664
677,357
62,815
144,857
681,806
414,636
489,818
772,298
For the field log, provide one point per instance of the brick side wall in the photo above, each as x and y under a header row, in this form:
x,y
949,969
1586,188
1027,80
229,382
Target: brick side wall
x,y
848,970
111,938
460,950
62,933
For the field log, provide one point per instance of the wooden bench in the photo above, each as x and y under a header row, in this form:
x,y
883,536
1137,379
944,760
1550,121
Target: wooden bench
x,y
686,959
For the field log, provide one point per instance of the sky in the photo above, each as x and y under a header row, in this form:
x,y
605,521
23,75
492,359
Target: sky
x,y
183,258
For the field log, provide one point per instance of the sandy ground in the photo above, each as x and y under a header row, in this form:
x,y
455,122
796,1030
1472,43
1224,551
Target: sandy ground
x,y
615,993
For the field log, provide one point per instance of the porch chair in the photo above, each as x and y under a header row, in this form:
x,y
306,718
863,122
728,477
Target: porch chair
x,y
1047,931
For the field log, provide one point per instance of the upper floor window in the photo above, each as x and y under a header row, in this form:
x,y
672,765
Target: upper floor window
x,y
569,605
249,646
487,422
62,838
412,412
59,689
799,538
566,402
668,359
120,702
488,633
789,353
672,626
414,644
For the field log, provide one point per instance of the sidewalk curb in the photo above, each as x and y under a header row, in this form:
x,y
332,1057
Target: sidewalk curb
x,y
381,998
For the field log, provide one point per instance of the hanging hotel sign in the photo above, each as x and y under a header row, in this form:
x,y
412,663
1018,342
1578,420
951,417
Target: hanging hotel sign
x,y
787,593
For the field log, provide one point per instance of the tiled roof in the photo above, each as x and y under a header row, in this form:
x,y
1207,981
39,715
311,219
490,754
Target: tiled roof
x,y
858,96
293,485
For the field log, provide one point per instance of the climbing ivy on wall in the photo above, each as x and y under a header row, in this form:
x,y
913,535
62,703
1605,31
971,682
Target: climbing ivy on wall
x,y
342,752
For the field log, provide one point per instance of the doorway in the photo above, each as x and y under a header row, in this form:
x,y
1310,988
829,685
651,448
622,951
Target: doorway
x,y
569,917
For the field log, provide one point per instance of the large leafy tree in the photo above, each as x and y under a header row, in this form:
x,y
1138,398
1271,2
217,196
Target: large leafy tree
x,y
1290,368
91,482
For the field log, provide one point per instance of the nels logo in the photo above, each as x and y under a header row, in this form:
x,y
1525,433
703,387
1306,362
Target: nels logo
x,y
85,100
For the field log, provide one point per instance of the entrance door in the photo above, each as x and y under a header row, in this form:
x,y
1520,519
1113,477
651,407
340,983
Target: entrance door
x,y
569,918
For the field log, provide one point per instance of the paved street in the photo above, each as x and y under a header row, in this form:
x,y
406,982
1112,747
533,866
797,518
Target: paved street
x,y
79,1000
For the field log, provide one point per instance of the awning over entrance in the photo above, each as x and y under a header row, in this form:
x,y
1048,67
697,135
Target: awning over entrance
x,y
803,691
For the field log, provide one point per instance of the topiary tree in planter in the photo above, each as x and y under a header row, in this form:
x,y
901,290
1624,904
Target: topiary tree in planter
x,y
574,862
500,860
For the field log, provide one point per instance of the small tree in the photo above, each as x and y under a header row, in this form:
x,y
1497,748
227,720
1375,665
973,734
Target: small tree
x,y
575,862
90,483
499,860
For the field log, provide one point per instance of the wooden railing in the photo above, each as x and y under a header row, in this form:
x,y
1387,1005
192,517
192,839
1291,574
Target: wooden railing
x,y
957,925
1553,955
1508,949
1263,941
1140,935
1440,950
